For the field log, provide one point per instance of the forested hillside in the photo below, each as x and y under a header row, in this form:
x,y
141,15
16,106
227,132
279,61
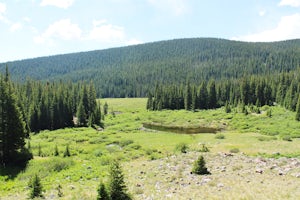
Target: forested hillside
x,y
134,70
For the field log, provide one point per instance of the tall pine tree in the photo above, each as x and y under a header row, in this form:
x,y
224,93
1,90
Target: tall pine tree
x,y
298,109
12,126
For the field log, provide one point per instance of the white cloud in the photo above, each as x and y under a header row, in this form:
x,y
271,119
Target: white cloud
x,y
262,13
62,29
15,27
287,28
27,19
177,7
105,32
292,3
133,42
2,12
58,3
2,8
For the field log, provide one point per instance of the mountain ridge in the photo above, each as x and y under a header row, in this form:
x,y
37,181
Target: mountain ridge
x,y
131,70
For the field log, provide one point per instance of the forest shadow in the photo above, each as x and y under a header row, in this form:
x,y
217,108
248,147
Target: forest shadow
x,y
16,165
11,171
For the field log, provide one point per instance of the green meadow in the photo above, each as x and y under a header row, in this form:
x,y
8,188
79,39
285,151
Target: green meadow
x,y
142,150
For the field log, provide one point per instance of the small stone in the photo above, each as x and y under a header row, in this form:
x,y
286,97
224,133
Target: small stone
x,y
72,187
273,167
223,169
297,175
220,185
205,180
281,173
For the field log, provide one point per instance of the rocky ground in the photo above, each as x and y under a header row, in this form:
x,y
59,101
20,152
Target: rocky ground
x,y
233,176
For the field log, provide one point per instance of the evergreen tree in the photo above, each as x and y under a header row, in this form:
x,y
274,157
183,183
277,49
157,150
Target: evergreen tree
x,y
203,96
150,102
67,152
36,187
102,193
245,91
298,109
105,108
199,166
92,98
212,95
12,126
56,152
227,107
96,116
188,96
81,116
194,99
85,101
39,150
117,187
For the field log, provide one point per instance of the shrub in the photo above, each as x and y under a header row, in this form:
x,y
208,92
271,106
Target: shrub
x,y
135,146
220,136
182,147
199,167
56,153
204,148
148,151
266,138
59,192
39,150
287,138
227,107
59,164
124,143
98,153
234,150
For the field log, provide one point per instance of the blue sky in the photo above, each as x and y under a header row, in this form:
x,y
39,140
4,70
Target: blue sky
x,y
34,28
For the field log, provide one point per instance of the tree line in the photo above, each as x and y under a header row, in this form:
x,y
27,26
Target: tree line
x,y
54,105
281,88
36,106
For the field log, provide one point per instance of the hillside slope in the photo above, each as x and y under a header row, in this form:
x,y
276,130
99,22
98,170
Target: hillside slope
x,y
131,71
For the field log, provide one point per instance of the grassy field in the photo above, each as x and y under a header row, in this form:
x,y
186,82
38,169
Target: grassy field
x,y
154,167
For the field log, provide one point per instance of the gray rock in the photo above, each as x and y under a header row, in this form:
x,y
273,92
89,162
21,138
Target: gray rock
x,y
220,185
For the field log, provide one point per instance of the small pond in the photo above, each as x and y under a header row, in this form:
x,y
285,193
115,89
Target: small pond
x,y
180,129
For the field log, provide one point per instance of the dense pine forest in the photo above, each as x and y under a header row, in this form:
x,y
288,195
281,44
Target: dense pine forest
x,y
35,106
255,90
134,71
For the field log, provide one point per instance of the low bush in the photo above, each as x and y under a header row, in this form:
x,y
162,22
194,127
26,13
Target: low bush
x,y
135,146
59,164
234,150
220,136
124,143
98,153
204,148
266,138
287,138
182,147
